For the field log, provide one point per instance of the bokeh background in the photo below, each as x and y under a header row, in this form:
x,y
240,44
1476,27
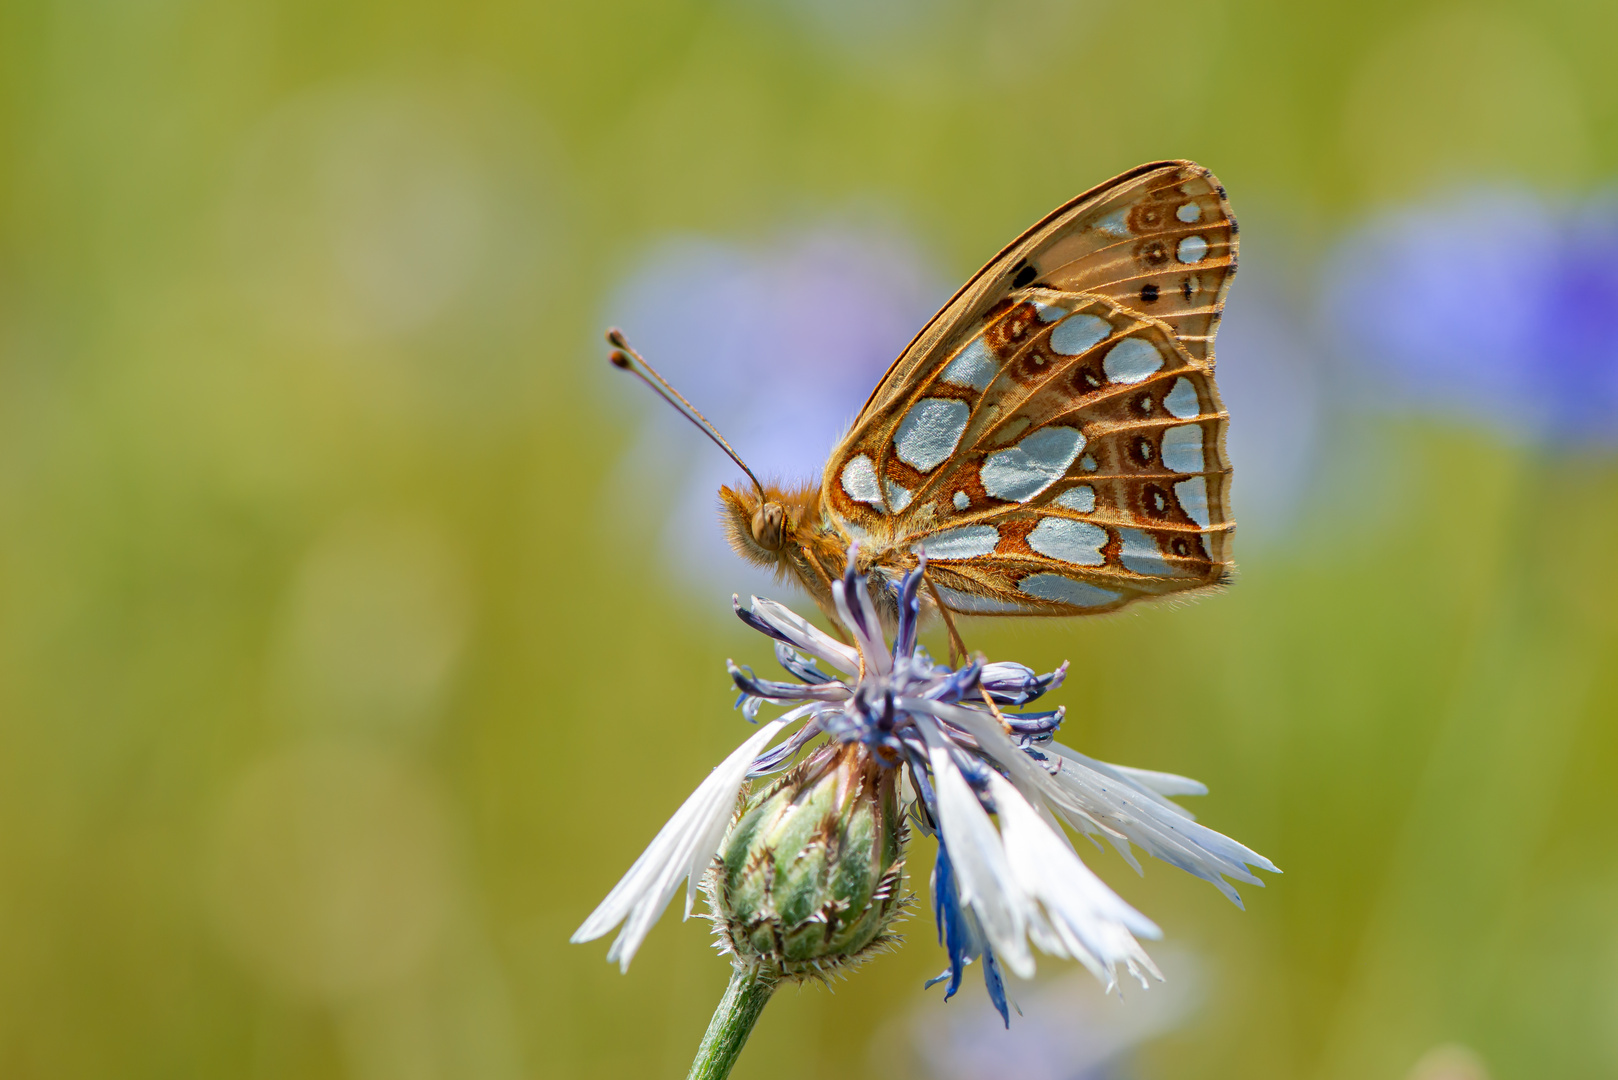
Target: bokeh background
x,y
358,627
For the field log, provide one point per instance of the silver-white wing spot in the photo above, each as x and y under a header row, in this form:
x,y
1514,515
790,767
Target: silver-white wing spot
x,y
859,481
1076,542
1131,360
961,500
1189,212
1034,464
898,497
1049,312
1191,250
1115,223
1181,401
1081,498
1141,555
1079,333
930,431
1193,496
966,542
1182,448
973,366
1065,590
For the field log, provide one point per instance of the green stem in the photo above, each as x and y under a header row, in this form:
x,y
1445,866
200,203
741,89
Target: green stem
x,y
749,991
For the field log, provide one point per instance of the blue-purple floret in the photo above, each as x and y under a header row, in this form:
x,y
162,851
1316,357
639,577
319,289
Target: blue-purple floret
x,y
1524,338
801,667
1014,684
960,940
866,710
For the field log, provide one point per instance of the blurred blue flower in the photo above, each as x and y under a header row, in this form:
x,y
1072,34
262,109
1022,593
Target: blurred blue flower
x,y
779,346
1497,305
996,887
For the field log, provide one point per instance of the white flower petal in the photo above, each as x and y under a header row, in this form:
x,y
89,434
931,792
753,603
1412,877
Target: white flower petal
x,y
1094,923
981,871
1164,783
806,636
993,741
682,848
1142,780
1115,799
1096,797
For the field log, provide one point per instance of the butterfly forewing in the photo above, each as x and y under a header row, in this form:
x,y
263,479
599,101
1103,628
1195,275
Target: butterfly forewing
x,y
1054,439
1163,244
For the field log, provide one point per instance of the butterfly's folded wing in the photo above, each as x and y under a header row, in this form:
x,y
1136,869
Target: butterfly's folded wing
x,y
1053,438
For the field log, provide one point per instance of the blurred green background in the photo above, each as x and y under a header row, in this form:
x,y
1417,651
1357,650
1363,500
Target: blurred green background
x,y
337,685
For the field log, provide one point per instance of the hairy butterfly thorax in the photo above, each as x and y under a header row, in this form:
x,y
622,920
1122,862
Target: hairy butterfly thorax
x,y
1052,440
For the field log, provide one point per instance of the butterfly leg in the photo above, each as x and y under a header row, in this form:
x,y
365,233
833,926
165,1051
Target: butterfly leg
x,y
957,647
989,701
820,571
822,594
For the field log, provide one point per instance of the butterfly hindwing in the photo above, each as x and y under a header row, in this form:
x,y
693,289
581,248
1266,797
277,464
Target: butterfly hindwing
x,y
1053,441
1088,470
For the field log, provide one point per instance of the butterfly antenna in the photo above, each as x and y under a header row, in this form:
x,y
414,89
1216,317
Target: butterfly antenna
x,y
625,357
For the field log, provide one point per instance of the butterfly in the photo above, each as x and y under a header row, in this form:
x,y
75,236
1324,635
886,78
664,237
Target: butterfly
x,y
1052,440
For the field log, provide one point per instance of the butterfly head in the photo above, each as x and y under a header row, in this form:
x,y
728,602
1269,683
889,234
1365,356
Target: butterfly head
x,y
783,530
762,524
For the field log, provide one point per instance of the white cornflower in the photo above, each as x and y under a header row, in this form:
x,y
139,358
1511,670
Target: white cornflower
x,y
992,785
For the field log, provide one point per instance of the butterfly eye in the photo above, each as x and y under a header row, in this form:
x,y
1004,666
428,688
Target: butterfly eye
x,y
768,525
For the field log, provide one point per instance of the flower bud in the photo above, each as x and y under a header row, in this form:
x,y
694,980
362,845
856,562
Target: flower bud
x,y
808,876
